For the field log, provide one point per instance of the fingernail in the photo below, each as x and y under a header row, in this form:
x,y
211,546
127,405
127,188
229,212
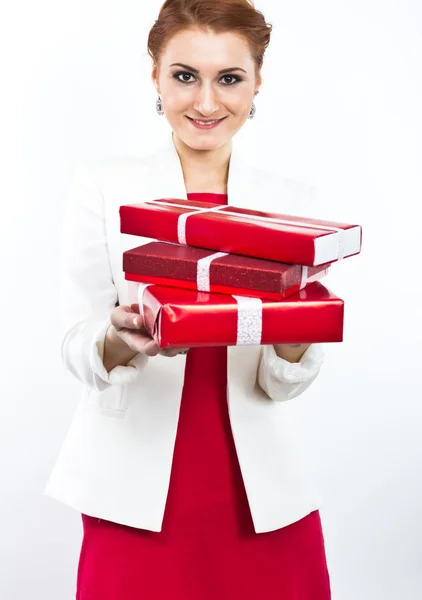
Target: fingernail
x,y
135,321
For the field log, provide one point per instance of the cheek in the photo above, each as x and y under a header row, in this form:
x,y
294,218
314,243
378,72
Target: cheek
x,y
238,105
176,102
176,98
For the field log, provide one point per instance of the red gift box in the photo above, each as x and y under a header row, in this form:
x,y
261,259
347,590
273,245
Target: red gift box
x,y
181,318
272,236
204,270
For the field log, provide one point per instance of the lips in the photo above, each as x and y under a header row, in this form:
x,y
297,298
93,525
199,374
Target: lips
x,y
210,120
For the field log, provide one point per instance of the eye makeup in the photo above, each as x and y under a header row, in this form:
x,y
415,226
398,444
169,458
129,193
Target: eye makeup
x,y
178,73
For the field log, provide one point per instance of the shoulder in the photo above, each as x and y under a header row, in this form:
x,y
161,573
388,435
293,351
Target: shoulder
x,y
105,170
97,182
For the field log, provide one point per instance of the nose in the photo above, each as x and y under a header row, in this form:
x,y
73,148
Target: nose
x,y
206,101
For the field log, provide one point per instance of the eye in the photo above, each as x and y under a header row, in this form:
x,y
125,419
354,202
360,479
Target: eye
x,y
186,73
176,75
235,77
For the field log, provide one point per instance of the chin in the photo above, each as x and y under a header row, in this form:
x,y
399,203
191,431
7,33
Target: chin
x,y
200,140
196,144
211,141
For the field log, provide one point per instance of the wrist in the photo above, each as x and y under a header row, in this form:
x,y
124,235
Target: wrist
x,y
291,352
113,339
116,345
116,351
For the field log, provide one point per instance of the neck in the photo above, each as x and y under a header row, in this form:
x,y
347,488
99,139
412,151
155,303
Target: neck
x,y
203,161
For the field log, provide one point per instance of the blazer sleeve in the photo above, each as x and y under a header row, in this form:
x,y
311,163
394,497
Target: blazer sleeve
x,y
282,380
87,291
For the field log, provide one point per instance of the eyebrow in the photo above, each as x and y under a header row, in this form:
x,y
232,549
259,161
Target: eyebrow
x,y
196,70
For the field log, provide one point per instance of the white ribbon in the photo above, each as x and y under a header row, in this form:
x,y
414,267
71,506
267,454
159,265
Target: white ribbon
x,y
203,271
249,321
304,278
181,223
141,289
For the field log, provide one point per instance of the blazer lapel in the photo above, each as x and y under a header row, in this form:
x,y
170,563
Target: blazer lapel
x,y
165,176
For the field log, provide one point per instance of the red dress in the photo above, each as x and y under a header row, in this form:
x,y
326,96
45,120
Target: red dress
x,y
207,549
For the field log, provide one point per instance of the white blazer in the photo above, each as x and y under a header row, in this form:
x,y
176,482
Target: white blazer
x,y
116,459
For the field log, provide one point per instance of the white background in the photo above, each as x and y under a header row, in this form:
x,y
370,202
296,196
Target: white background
x,y
340,107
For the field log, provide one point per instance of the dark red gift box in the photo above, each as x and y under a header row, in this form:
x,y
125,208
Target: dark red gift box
x,y
204,270
181,318
272,236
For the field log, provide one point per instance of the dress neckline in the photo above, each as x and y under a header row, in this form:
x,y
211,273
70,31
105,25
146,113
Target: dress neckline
x,y
205,194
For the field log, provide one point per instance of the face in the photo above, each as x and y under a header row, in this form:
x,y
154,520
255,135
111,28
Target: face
x,y
218,81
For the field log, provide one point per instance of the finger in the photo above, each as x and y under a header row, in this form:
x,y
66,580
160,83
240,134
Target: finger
x,y
134,338
151,348
173,351
126,318
140,341
169,352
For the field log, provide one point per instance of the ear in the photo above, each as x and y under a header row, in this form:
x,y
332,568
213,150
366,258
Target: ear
x,y
154,78
258,81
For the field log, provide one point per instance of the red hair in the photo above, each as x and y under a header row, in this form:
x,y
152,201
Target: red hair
x,y
219,16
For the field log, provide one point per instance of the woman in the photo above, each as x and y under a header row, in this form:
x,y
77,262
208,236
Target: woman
x,y
184,465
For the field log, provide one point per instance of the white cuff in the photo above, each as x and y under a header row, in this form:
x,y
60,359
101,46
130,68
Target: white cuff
x,y
297,372
283,380
120,375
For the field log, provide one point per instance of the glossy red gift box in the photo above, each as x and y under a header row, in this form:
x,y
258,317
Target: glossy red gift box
x,y
272,236
181,318
218,272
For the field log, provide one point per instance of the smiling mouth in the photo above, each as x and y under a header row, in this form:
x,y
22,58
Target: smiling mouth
x,y
206,122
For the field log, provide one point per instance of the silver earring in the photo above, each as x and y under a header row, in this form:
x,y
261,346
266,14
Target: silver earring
x,y
159,105
253,111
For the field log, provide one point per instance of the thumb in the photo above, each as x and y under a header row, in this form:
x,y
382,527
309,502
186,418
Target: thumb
x,y
125,317
137,318
134,307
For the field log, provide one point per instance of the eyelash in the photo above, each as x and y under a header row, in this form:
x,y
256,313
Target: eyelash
x,y
176,76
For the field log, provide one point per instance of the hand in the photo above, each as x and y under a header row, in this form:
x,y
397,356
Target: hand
x,y
127,325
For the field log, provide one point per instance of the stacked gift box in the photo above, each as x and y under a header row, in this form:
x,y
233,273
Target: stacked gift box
x,y
223,275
